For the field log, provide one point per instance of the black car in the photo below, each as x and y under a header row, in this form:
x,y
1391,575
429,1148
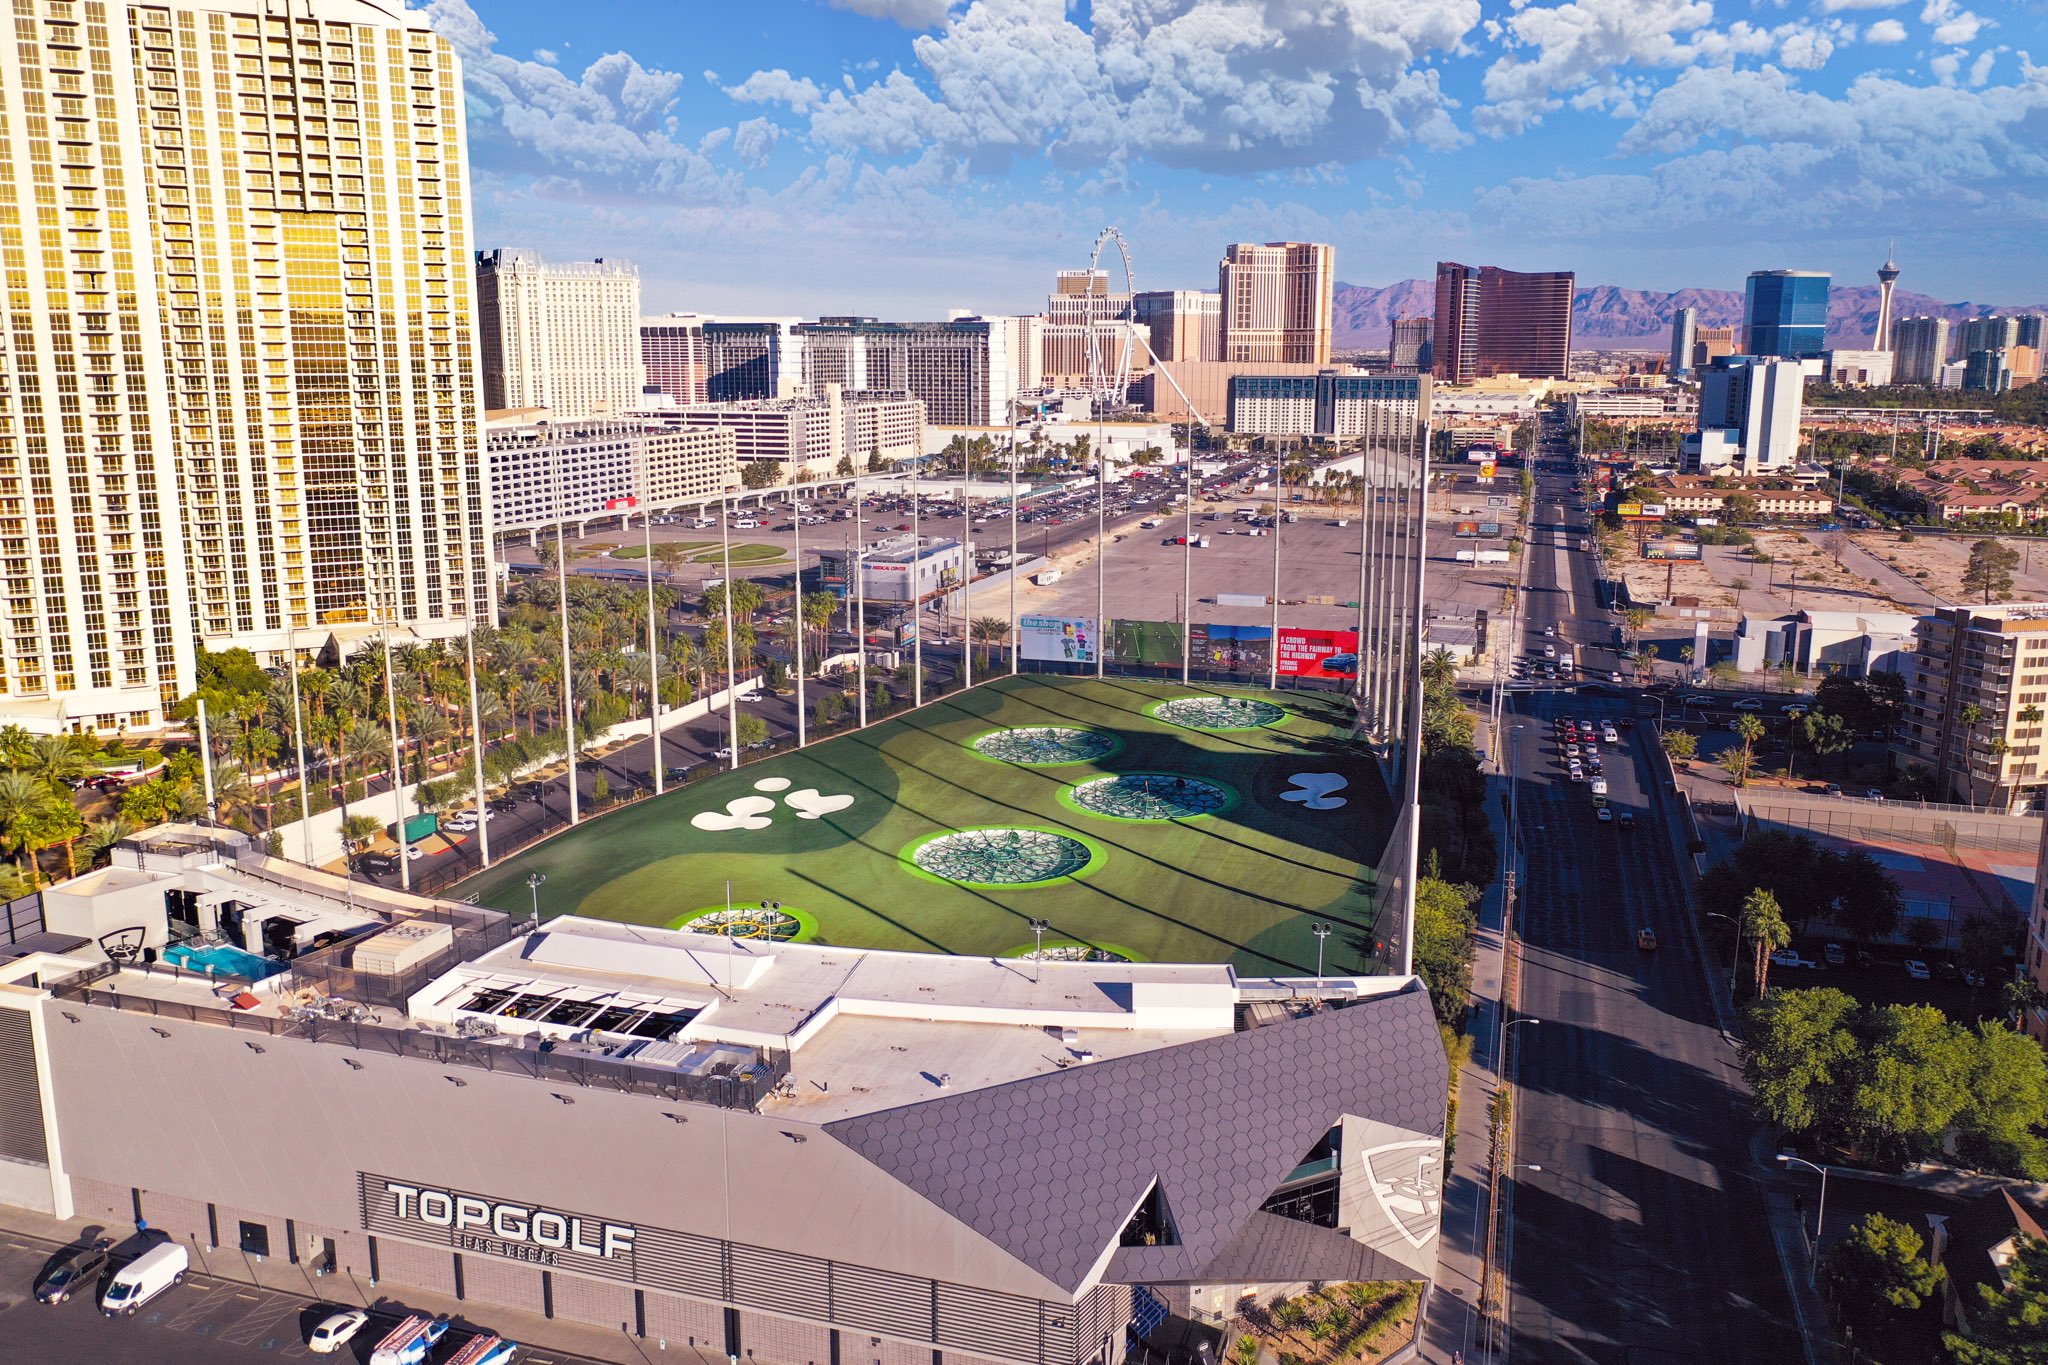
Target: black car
x,y
1626,820
77,1273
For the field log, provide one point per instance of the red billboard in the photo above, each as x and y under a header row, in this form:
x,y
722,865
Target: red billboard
x,y
620,504
1318,653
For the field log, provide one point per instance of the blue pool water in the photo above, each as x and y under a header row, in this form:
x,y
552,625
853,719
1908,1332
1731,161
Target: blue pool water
x,y
220,959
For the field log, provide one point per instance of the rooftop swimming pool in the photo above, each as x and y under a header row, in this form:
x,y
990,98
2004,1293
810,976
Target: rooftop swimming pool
x,y
220,959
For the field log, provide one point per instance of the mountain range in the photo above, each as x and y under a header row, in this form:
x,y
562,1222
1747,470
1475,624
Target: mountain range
x,y
1609,317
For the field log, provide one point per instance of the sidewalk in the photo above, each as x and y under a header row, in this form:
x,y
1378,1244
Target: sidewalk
x,y
559,1340
1453,1322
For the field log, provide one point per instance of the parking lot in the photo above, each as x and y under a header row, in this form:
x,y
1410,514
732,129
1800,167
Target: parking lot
x,y
203,1321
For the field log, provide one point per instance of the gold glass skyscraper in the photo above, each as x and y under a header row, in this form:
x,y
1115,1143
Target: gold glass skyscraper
x,y
238,394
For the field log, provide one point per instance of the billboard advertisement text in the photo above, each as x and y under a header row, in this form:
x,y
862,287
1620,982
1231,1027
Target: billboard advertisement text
x,y
1232,649
1318,653
1058,639
1466,530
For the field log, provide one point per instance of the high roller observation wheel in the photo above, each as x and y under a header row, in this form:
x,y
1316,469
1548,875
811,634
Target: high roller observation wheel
x,y
1109,375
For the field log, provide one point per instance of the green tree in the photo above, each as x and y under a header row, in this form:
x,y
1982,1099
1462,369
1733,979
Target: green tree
x,y
1798,1048
828,708
878,696
1635,621
1990,569
1740,507
2000,1127
1913,1080
988,632
1863,896
2009,1323
1878,1271
1765,930
1439,668
601,788
1824,734
760,473
1681,746
358,832
751,728
1444,924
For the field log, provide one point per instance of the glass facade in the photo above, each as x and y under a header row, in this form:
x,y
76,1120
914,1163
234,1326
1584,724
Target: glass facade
x,y
1785,313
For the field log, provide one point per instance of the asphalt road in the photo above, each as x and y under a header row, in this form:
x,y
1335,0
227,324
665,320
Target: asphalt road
x,y
1642,1239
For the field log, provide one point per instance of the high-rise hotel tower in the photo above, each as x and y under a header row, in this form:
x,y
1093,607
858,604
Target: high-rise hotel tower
x,y
238,395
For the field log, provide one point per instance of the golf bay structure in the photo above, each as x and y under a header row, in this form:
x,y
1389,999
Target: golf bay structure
x,y
793,1152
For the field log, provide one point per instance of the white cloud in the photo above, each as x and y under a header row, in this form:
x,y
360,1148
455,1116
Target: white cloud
x,y
547,56
754,140
1885,31
1953,25
776,87
1805,49
1837,6
909,13
614,121
1580,43
1245,85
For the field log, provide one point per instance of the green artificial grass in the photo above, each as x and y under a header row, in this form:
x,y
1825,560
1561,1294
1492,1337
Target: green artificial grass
x,y
1242,885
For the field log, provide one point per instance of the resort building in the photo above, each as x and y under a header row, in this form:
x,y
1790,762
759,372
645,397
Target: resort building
x,y
809,1153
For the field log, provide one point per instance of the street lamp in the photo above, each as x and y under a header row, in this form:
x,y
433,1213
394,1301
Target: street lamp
x,y
1038,928
1820,1214
1322,932
533,881
1505,1029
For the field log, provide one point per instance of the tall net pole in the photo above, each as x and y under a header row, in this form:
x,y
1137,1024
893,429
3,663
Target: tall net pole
x,y
856,576
1016,630
800,619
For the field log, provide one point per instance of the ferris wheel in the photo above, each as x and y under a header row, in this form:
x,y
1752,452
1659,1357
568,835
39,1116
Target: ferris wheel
x,y
1110,343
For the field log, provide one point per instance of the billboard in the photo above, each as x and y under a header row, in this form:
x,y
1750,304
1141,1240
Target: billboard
x,y
1058,639
618,504
1488,468
1628,509
1466,530
1318,653
1489,530
1671,549
1232,649
1157,643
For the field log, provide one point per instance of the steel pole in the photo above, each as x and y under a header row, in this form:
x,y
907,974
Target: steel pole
x,y
1016,635
796,523
732,700
397,764
916,588
476,748
653,653
299,742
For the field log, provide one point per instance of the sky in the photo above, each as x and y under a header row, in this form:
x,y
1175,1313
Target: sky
x,y
905,157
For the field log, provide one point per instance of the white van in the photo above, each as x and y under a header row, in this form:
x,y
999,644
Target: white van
x,y
1047,578
1599,786
745,524
143,1278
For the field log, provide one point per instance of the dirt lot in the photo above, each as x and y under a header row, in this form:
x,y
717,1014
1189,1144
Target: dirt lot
x,y
1798,574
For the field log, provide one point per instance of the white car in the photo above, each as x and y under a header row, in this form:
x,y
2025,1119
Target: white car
x,y
461,826
1749,704
413,853
335,1331
1917,970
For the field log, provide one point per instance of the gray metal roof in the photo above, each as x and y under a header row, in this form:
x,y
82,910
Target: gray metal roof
x,y
1050,1167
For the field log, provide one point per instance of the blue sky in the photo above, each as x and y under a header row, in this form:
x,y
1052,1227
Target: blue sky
x,y
903,157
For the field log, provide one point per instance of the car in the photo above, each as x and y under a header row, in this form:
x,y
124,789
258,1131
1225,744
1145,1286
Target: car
x,y
1571,751
1835,955
1614,677
336,1330
1748,704
1873,794
1604,815
1626,820
1973,978
1789,957
1646,939
1610,735
413,853
79,1271
1793,708
461,826
1550,651
1917,970
1549,632
1696,699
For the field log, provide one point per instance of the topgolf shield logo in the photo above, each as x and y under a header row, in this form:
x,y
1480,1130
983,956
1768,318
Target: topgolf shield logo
x,y
1407,1181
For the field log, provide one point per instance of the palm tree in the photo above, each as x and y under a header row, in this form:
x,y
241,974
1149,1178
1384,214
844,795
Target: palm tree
x,y
99,839
362,743
55,761
1765,930
25,809
1439,669
431,728
1645,664
15,746
988,631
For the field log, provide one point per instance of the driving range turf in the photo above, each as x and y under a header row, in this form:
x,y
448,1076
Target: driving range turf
x,y
1242,885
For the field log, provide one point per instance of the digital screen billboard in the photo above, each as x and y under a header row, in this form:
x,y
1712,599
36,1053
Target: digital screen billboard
x,y
1318,653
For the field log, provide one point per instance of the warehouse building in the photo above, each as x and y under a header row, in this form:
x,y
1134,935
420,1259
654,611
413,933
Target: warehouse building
x,y
790,1153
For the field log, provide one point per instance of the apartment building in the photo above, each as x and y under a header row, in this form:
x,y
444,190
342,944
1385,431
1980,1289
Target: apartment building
x,y
544,473
1975,700
209,433
1181,324
1275,302
752,358
560,335
807,438
1695,495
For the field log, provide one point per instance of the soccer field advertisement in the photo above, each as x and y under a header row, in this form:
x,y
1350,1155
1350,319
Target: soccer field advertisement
x,y
1318,653
1144,642
1058,639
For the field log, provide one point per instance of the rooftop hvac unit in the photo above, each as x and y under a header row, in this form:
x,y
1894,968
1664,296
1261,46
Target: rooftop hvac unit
x,y
402,947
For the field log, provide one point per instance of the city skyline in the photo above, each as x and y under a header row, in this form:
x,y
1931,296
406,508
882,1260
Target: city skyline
x,y
759,160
